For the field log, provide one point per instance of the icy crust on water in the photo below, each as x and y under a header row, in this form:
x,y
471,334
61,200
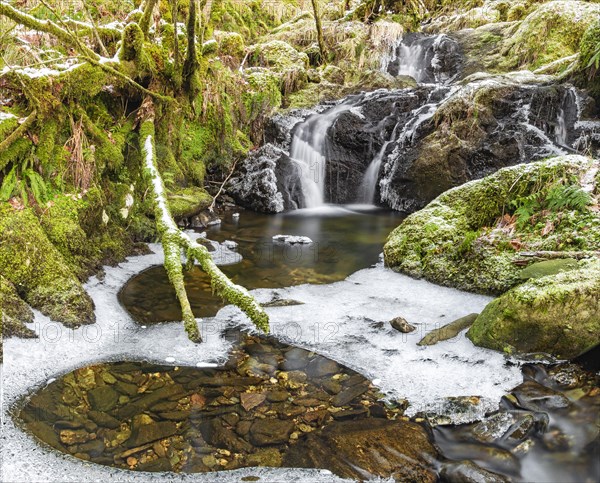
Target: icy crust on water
x,y
349,321
338,320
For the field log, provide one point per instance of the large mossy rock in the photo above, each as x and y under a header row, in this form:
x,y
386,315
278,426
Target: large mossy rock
x,y
38,271
468,237
552,31
187,202
558,314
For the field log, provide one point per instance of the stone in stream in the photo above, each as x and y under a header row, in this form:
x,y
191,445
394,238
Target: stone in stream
x,y
292,239
366,448
448,331
535,397
401,325
265,457
147,433
295,359
264,432
250,400
216,434
322,366
349,394
103,398
103,419
469,472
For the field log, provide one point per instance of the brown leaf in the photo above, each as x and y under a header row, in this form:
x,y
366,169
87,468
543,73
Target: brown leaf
x,y
549,228
516,244
251,399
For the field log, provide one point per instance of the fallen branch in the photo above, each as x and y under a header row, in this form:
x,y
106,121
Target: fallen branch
x,y
17,133
70,38
174,240
211,208
528,257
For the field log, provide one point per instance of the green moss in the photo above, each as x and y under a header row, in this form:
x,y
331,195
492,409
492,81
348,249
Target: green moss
x,y
188,202
132,45
38,270
552,31
231,44
557,314
460,238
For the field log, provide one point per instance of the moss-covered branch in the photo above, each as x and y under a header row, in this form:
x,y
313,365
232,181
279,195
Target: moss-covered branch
x,y
147,16
174,240
16,134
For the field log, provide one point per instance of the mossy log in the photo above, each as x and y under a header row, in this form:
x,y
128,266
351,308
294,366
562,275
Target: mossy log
x,y
174,241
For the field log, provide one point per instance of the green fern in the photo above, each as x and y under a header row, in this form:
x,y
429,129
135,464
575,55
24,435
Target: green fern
x,y
570,197
9,185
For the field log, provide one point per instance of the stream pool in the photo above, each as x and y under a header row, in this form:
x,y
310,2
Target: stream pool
x,y
131,396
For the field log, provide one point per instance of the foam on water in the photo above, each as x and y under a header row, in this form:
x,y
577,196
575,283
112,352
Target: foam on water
x,y
336,320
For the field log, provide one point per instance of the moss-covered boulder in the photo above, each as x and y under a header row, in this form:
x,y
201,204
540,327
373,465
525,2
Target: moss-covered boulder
x,y
38,271
285,60
14,313
552,31
558,314
187,202
470,236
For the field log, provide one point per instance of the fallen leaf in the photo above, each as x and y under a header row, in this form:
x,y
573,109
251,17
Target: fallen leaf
x,y
198,401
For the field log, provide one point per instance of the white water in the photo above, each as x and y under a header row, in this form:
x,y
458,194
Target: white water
x,y
336,320
368,187
308,151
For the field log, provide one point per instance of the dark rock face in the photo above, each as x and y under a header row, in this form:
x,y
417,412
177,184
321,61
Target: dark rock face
x,y
429,139
438,57
364,448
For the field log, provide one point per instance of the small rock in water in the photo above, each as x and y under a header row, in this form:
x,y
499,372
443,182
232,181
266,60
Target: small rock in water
x,y
214,222
402,325
230,244
292,239
235,216
448,331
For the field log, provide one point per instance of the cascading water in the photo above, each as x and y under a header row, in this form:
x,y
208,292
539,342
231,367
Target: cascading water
x,y
309,151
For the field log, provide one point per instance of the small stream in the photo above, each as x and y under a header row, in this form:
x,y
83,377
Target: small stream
x,y
345,239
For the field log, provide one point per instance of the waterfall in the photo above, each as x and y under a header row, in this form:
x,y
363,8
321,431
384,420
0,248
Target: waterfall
x,y
308,151
368,186
411,60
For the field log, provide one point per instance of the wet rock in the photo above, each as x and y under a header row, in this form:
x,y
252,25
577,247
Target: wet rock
x,y
216,434
295,359
148,433
321,366
103,419
159,464
45,433
103,398
250,400
332,387
535,397
448,331
93,448
349,394
351,414
264,432
277,396
469,472
292,239
126,388
494,458
401,325
364,449
265,457
175,415
75,436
